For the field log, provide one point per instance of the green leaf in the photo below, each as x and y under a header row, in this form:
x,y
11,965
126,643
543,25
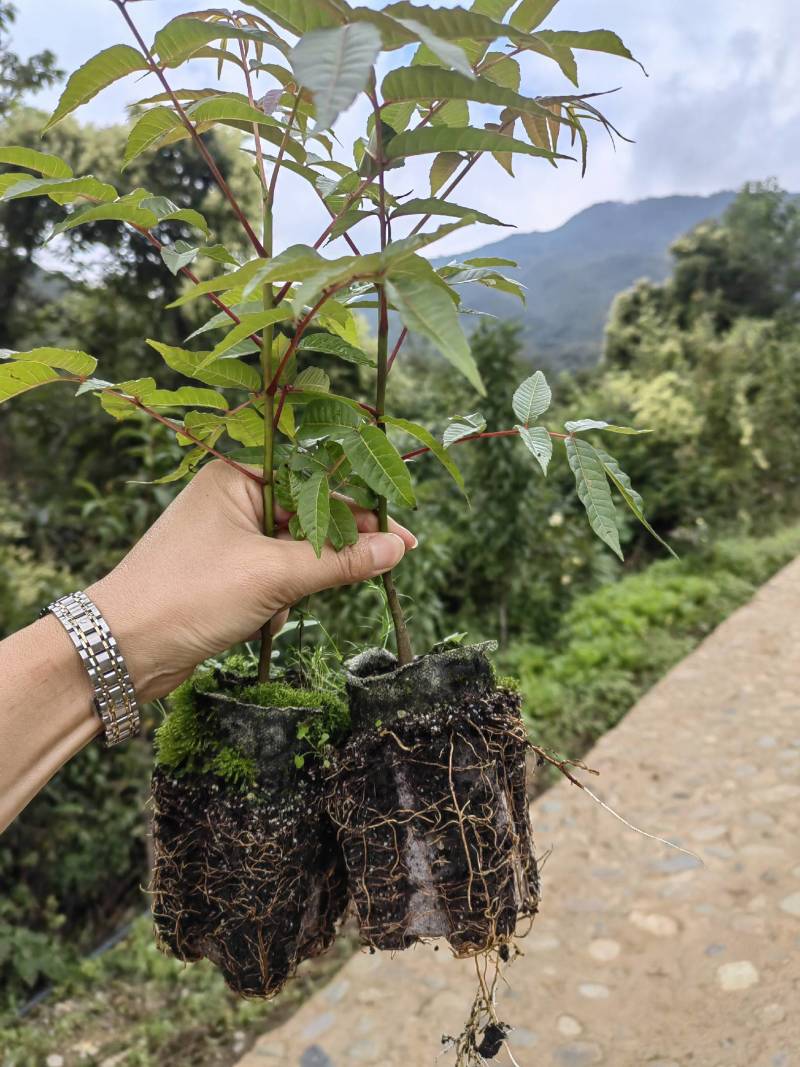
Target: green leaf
x,y
452,55
342,529
531,13
129,209
66,359
413,429
313,379
426,308
61,190
590,40
179,255
532,398
313,509
295,263
451,24
634,501
48,166
593,491
185,396
148,131
579,425
428,139
442,168
328,418
188,465
230,373
539,443
97,74
501,69
234,111
495,9
250,324
18,378
433,206
375,459
334,65
490,261
461,426
297,17
185,36
433,83
332,345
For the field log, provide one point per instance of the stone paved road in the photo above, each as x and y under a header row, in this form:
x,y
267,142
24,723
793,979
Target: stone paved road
x,y
642,956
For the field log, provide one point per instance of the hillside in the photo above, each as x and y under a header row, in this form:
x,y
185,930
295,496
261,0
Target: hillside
x,y
574,272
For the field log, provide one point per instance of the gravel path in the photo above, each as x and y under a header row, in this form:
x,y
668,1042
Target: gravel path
x,y
642,956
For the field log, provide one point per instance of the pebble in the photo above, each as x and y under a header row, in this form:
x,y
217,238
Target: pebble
x,y
676,863
709,833
771,1014
593,990
314,1056
735,976
715,950
604,950
271,1050
54,1060
318,1025
659,925
579,1054
791,904
569,1026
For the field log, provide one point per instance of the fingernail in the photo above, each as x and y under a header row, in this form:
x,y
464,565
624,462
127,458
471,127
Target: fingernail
x,y
386,549
416,542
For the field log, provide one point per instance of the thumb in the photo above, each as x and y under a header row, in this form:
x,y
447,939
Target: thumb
x,y
371,555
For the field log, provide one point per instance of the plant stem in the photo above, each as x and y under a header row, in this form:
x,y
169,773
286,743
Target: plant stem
x,y
267,371
405,652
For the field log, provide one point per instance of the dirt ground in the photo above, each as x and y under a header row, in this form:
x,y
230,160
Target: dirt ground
x,y
642,956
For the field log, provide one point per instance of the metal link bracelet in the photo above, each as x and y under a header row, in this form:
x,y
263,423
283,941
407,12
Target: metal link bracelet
x,y
114,696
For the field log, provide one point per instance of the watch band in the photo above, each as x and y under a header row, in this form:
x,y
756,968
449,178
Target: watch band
x,y
114,696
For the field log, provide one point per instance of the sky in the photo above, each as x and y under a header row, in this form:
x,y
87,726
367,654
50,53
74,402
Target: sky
x,y
720,105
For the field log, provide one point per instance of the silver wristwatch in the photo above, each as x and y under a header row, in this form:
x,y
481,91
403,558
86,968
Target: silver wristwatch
x,y
114,697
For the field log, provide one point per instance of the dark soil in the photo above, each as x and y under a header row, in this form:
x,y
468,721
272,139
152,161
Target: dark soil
x,y
252,880
430,801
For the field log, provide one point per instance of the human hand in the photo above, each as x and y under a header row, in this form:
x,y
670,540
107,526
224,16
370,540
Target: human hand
x,y
204,577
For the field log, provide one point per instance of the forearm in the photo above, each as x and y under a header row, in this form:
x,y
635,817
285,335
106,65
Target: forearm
x,y
46,711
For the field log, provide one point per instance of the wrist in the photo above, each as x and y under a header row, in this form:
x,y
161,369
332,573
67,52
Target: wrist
x,y
135,627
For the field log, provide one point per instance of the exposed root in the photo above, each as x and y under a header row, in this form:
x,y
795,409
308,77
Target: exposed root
x,y
254,884
484,1033
563,765
432,815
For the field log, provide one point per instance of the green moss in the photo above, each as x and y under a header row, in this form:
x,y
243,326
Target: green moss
x,y
187,742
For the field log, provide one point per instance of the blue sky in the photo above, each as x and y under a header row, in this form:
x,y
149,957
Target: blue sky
x,y
721,104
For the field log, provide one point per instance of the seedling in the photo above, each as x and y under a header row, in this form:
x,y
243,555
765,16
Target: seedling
x,y
439,86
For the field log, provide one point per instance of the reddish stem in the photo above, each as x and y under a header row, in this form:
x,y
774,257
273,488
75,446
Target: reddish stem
x,y
192,130
279,408
180,429
481,437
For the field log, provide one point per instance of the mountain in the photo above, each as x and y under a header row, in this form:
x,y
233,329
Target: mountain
x,y
573,273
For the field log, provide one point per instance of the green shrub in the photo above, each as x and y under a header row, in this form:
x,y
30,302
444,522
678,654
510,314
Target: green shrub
x,y
143,1009
615,642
